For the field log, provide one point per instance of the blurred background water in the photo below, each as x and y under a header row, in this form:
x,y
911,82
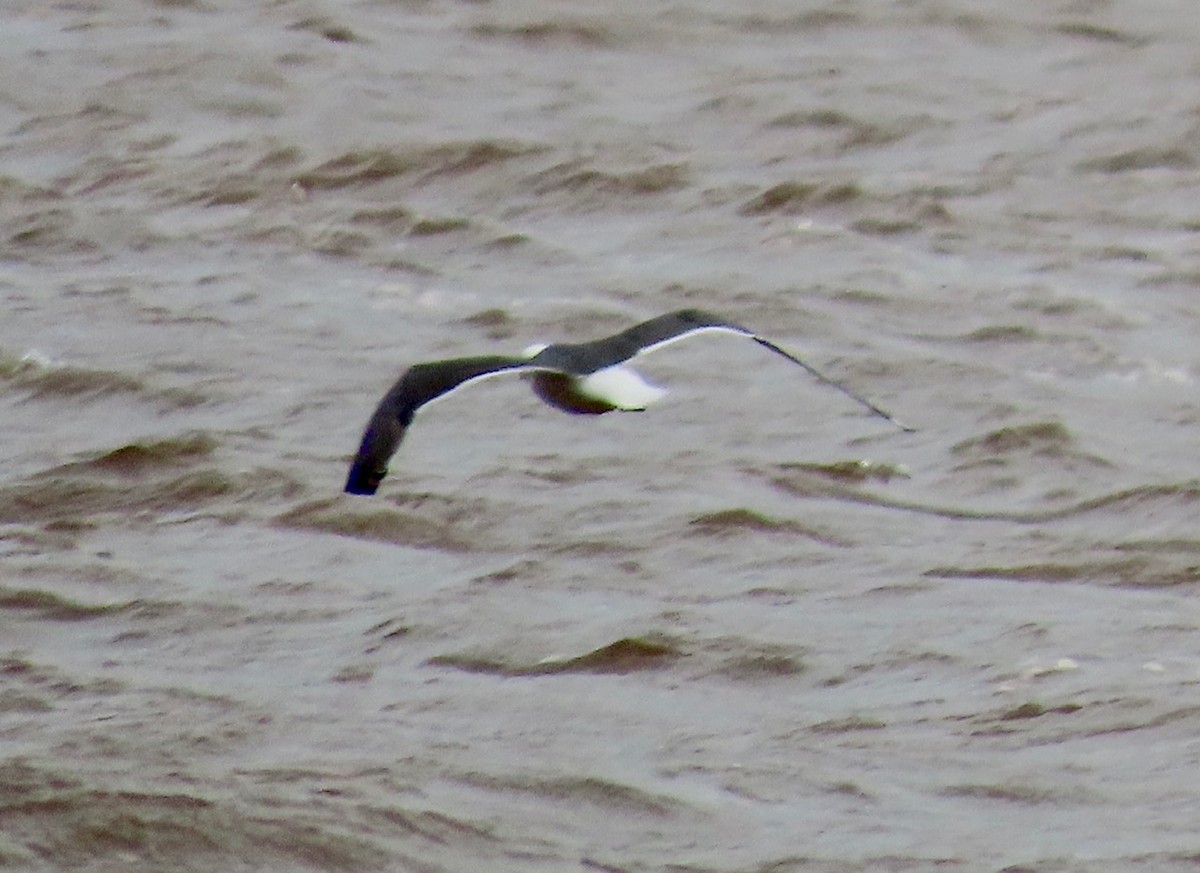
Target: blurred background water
x,y
751,629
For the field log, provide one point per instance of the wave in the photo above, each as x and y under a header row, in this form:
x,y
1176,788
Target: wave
x,y
731,658
576,177
76,822
626,655
42,379
359,169
732,522
1141,498
380,525
175,474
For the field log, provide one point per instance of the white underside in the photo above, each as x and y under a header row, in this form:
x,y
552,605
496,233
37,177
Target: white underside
x,y
620,387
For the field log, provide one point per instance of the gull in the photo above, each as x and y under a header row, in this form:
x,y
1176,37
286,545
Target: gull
x,y
579,378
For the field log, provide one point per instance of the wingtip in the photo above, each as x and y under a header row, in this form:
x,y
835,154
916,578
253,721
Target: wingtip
x,y
363,480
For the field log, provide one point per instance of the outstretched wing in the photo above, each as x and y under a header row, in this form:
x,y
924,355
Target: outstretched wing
x,y
584,358
420,384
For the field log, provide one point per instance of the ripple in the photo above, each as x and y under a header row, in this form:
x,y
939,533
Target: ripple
x,y
626,655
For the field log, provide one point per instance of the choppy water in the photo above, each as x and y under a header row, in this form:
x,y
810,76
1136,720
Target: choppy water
x,y
727,635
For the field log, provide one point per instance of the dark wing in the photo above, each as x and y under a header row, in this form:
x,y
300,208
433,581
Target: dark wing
x,y
420,384
584,358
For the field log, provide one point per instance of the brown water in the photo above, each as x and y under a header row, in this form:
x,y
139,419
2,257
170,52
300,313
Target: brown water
x,y
705,638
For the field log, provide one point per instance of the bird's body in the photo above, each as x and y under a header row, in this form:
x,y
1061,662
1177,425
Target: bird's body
x,y
579,378
607,390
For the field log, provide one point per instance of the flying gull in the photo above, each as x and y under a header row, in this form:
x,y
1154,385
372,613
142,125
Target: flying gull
x,y
580,378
